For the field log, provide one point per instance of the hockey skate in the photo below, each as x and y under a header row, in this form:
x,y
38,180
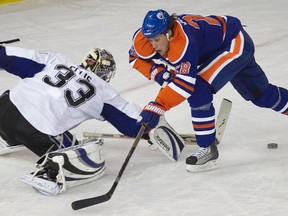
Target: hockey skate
x,y
203,159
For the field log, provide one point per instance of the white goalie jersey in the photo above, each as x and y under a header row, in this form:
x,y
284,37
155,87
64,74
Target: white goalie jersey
x,y
55,95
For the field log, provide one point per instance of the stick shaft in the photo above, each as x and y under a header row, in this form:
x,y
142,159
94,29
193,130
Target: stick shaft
x,y
79,204
10,41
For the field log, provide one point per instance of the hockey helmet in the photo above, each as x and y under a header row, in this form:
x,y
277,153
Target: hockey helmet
x,y
101,62
155,23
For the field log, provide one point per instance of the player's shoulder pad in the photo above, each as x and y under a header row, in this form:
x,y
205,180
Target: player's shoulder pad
x,y
142,46
178,44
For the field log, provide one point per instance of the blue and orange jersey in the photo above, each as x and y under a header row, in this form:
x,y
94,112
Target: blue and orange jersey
x,y
195,38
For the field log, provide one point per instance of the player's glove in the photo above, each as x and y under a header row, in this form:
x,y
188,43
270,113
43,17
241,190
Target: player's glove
x,y
160,74
151,114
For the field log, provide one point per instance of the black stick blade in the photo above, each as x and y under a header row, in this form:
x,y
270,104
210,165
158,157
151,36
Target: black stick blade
x,y
10,41
79,204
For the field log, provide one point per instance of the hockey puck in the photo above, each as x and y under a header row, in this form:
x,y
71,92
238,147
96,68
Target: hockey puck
x,y
272,145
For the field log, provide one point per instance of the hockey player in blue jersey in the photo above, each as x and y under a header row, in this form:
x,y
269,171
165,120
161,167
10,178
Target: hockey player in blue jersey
x,y
205,53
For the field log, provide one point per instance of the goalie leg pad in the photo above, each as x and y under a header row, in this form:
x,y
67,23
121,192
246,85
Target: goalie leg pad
x,y
167,140
67,168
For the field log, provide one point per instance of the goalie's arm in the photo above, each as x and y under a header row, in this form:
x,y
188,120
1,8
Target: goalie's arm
x,y
123,119
23,62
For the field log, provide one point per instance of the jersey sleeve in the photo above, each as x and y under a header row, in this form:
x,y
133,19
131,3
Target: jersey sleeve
x,y
169,98
23,62
122,115
141,54
143,66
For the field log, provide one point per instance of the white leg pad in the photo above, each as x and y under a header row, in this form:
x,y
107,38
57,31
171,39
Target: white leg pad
x,y
69,167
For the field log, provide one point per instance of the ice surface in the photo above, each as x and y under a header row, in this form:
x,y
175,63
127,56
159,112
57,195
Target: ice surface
x,y
251,181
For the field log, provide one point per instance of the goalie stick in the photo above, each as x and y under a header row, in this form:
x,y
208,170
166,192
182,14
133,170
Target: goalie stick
x,y
79,204
189,139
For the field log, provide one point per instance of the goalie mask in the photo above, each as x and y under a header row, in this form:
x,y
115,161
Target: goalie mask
x,y
101,62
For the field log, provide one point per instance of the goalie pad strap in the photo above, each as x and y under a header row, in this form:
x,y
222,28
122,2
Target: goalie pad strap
x,y
84,159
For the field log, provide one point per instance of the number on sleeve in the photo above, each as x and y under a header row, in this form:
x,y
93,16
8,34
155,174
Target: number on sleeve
x,y
184,68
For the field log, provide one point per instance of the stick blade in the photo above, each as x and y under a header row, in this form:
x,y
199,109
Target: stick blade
x,y
80,204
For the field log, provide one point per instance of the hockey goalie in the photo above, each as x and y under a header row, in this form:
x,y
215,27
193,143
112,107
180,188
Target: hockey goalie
x,y
59,170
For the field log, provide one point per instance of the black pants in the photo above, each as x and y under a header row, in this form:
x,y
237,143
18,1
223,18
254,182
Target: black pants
x,y
15,129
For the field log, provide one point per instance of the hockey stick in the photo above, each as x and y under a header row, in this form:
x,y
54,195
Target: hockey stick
x,y
10,41
189,139
79,204
221,122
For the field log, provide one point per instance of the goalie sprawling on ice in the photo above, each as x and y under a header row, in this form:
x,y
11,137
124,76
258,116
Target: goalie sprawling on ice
x,y
54,96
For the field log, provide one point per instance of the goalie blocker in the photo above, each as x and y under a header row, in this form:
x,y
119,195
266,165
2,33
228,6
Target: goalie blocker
x,y
167,140
56,171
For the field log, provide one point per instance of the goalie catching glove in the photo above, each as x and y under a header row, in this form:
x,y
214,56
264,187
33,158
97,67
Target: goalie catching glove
x,y
65,168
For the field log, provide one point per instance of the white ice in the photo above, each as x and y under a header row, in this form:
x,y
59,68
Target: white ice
x,y
251,181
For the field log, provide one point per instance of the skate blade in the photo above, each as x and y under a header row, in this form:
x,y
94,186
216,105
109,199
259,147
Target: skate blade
x,y
211,165
43,186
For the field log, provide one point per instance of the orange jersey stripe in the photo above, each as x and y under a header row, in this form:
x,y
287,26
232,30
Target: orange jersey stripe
x,y
143,66
209,71
169,98
203,126
190,88
223,24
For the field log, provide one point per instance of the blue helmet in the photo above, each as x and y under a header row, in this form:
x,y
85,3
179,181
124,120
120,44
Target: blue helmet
x,y
155,23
